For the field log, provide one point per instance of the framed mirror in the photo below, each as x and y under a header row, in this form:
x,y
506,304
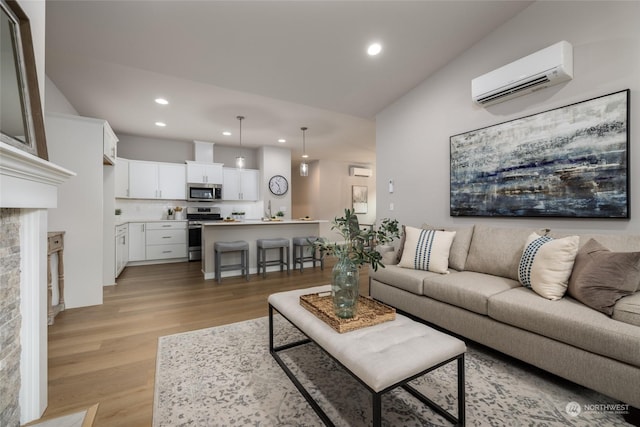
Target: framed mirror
x,y
21,120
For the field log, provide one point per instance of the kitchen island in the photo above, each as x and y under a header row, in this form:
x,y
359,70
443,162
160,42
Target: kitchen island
x,y
251,231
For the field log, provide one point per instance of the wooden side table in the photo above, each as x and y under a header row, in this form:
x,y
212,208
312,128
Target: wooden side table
x,y
55,240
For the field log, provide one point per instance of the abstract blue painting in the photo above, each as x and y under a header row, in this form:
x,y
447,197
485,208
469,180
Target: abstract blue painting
x,y
567,162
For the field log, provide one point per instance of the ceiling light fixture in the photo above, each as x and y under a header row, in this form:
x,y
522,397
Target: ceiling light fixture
x,y
226,133
162,101
161,124
282,140
240,158
374,49
304,166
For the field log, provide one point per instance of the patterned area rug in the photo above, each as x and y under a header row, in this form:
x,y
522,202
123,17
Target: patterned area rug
x,y
225,376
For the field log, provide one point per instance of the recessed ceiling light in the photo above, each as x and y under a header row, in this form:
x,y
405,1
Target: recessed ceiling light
x,y
162,101
305,156
226,133
374,49
161,124
282,140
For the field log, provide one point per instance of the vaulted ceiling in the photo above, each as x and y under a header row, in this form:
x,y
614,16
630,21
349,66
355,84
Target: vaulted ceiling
x,y
281,64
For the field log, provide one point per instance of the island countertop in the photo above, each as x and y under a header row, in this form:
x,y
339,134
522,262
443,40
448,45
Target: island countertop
x,y
250,231
260,222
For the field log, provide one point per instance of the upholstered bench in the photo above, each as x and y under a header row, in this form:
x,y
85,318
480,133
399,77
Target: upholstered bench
x,y
381,357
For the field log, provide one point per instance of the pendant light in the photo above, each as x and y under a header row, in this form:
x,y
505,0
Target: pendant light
x,y
304,166
240,159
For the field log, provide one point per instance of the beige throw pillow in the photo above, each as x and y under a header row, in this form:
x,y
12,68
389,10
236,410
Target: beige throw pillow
x,y
546,264
427,249
601,277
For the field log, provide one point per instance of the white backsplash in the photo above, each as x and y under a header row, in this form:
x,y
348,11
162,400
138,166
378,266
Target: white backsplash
x,y
147,210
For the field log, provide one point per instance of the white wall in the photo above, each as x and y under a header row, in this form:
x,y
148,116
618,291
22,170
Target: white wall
x,y
136,147
275,161
326,192
304,193
412,135
76,144
55,101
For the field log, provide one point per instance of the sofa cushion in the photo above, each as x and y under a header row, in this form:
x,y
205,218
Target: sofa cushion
x,y
601,277
403,278
496,250
466,289
627,309
546,264
427,249
614,242
568,321
460,246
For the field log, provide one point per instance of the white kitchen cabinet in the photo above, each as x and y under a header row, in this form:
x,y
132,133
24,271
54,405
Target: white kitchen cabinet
x,y
204,173
150,241
143,180
171,181
153,180
166,239
122,178
109,145
241,184
122,248
137,241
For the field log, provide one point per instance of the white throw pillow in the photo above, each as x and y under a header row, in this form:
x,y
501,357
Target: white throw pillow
x,y
546,264
427,249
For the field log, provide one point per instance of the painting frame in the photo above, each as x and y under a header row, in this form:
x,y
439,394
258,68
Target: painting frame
x,y
33,140
360,199
570,161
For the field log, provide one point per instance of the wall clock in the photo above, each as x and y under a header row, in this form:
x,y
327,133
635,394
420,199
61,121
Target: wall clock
x,y
278,185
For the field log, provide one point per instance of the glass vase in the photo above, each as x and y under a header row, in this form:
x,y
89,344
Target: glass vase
x,y
345,288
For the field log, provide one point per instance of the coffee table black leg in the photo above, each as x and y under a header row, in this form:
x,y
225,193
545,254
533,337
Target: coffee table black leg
x,y
377,409
460,420
274,352
461,392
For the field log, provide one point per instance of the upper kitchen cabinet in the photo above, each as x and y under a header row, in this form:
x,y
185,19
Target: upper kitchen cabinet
x,y
122,178
204,173
241,184
109,145
153,180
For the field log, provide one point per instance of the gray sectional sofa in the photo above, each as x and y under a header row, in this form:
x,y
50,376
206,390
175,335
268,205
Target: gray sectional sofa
x,y
481,299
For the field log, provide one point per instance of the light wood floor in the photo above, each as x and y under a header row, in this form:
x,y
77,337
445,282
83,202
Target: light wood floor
x,y
106,354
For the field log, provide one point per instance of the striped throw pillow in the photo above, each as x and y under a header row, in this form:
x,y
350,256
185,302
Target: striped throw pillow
x,y
427,249
546,264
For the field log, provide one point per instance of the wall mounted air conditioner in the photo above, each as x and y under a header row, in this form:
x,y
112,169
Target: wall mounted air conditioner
x,y
355,171
544,68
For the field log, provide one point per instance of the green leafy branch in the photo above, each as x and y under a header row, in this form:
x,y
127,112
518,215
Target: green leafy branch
x,y
359,244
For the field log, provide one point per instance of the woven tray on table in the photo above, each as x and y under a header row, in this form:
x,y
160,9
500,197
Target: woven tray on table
x,y
370,312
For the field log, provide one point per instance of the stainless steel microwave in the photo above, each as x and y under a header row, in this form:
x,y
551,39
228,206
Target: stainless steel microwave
x,y
197,192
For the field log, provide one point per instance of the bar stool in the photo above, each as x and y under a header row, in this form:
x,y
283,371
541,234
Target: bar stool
x,y
224,247
299,246
264,245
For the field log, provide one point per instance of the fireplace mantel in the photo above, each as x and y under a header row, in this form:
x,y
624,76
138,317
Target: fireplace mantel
x,y
27,181
30,184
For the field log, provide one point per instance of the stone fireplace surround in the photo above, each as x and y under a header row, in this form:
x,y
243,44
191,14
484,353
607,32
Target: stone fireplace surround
x,y
28,187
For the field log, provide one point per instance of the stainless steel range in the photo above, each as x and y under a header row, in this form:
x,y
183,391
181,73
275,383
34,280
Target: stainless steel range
x,y
197,215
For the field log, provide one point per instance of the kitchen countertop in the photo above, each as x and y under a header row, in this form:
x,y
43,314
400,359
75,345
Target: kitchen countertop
x,y
259,222
126,221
